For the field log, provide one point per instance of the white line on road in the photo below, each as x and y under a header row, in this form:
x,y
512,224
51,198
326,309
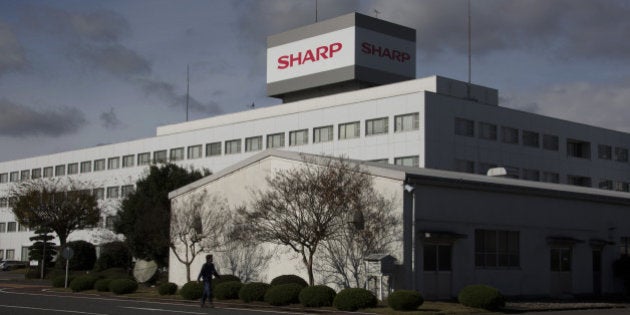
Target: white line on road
x,y
50,309
159,310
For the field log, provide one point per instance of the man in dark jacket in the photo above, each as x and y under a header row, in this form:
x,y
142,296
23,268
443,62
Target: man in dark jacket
x,y
206,273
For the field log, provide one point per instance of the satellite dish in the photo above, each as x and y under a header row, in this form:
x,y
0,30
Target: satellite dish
x,y
144,270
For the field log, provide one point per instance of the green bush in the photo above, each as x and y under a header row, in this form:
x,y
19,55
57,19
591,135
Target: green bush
x,y
405,300
191,290
123,286
59,281
285,279
227,290
481,296
114,273
102,285
224,279
353,299
114,255
283,294
254,291
317,296
83,258
168,288
82,283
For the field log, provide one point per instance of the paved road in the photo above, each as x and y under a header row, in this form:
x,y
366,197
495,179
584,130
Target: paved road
x,y
612,311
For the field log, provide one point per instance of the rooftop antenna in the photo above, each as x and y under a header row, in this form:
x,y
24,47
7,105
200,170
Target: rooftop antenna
x,y
469,53
315,10
376,12
187,88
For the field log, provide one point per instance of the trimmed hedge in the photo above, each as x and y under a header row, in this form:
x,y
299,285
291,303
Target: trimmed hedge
x,y
224,279
82,283
405,300
317,296
353,299
286,279
60,281
283,294
114,255
481,296
227,290
102,285
192,290
254,291
168,288
123,286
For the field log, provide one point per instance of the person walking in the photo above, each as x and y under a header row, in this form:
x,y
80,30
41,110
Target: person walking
x,y
206,273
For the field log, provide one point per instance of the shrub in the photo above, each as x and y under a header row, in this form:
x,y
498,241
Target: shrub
x,y
254,291
114,255
83,258
317,296
285,279
168,288
123,286
353,299
283,294
82,283
191,290
102,285
405,300
114,273
481,296
227,290
60,281
223,279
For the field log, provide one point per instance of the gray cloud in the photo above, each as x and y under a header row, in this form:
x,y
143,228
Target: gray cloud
x,y
166,92
21,121
109,120
12,57
117,60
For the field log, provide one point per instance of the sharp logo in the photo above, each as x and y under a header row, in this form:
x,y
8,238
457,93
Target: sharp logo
x,y
310,55
384,52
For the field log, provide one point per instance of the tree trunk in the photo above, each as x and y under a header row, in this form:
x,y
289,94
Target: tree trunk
x,y
188,272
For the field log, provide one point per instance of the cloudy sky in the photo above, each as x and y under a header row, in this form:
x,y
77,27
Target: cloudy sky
x,y
77,73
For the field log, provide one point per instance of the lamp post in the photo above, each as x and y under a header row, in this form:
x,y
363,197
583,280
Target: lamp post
x,y
410,189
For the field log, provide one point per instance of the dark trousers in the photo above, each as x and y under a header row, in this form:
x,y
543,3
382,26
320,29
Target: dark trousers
x,y
207,292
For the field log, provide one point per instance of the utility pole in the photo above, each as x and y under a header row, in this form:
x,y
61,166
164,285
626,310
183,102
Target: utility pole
x,y
187,88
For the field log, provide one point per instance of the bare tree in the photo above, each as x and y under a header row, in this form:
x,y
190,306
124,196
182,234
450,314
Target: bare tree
x,y
246,261
62,205
342,258
198,224
305,205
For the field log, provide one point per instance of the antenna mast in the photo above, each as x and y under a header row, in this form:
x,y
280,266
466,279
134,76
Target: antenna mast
x,y
187,88
315,10
469,45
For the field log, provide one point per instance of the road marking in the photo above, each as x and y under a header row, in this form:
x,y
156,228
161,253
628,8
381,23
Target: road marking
x,y
50,309
159,310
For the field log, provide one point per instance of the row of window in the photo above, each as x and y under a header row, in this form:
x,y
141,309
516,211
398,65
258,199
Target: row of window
x,y
406,122
10,254
12,227
528,138
100,193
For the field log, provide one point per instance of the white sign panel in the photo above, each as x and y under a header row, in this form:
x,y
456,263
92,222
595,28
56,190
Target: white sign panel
x,y
320,53
386,53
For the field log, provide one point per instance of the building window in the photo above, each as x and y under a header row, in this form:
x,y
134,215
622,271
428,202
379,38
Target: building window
x,y
177,154
11,226
384,161
48,172
4,202
14,177
465,166
86,167
159,156
4,178
127,160
73,168
531,139
98,193
529,174
3,229
322,134
1,254
437,257
604,152
24,256
112,192
406,122
99,165
22,228
10,254
551,142
253,144
349,130
578,149
60,170
605,184
376,126
275,140
109,222
579,180
25,175
487,131
233,146
298,137
621,154
125,190
621,186
144,158
560,259
624,246
36,173
550,177
412,161
496,249
113,163
195,151
213,149
509,135
464,127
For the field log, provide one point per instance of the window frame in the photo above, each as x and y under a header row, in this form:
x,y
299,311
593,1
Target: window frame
x,y
234,146
399,122
497,245
293,136
344,135
211,149
128,160
250,141
273,138
317,133
371,130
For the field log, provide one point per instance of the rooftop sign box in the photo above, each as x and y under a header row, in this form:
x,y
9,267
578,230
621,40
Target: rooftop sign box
x,y
352,48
